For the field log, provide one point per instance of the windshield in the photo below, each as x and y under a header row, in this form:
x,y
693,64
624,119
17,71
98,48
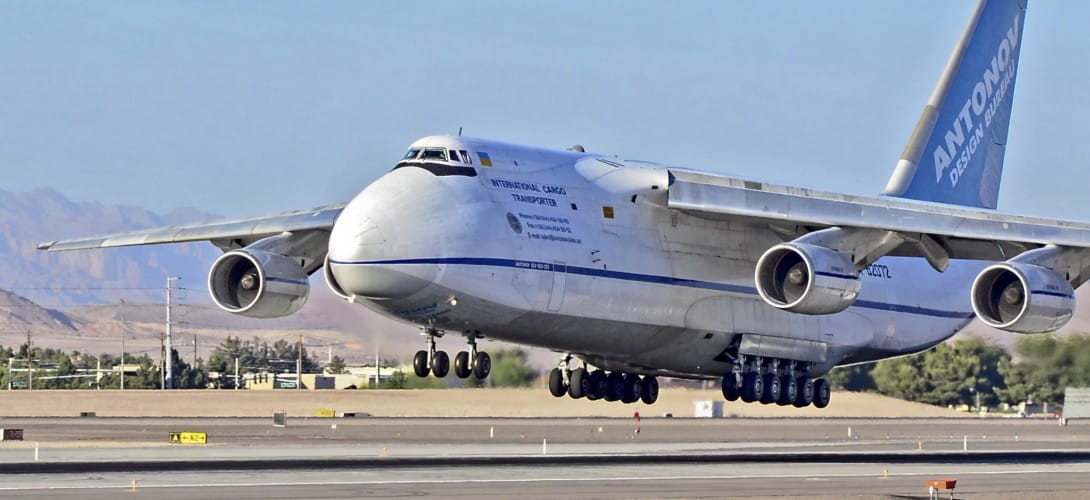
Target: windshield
x,y
439,154
411,154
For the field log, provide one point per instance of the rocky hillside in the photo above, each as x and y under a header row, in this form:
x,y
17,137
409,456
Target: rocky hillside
x,y
72,300
93,276
19,315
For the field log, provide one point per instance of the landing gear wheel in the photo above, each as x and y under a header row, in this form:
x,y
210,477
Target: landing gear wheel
x,y
461,365
789,390
772,388
730,387
597,385
576,383
420,363
614,386
649,390
440,364
753,387
556,381
822,393
630,392
482,365
806,392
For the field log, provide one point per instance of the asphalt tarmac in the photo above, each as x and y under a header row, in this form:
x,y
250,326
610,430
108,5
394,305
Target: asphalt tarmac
x,y
535,458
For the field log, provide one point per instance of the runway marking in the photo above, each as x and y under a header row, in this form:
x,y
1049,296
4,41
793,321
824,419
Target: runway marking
x,y
816,477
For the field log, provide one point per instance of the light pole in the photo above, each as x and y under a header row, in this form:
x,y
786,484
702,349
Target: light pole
x,y
168,378
122,344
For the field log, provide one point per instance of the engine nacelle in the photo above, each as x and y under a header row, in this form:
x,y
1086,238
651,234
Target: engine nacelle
x,y
1022,298
258,284
806,279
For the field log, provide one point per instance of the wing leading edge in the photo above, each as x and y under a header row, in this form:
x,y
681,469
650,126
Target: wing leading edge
x,y
965,233
232,233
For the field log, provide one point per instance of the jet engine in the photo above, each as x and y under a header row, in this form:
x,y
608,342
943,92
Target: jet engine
x,y
807,279
258,283
1022,298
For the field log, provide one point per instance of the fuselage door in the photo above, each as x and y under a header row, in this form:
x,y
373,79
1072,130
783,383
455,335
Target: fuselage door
x,y
560,279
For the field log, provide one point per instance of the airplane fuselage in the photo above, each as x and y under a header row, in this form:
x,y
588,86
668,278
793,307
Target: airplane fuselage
x,y
578,253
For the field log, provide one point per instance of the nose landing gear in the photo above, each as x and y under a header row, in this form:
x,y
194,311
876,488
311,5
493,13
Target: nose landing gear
x,y
478,364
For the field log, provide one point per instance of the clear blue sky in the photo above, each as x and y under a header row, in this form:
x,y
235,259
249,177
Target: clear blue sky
x,y
250,107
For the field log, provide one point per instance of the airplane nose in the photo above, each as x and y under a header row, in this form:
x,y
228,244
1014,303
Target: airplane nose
x,y
363,255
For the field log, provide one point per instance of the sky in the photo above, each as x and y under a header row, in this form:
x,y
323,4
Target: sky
x,y
253,107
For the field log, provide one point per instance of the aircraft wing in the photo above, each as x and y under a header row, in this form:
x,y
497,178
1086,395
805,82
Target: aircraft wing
x,y
224,234
964,233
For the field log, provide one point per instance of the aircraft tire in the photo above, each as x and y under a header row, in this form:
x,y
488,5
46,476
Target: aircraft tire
x,y
461,365
772,388
482,365
822,393
649,390
730,387
420,363
789,390
597,385
806,392
630,392
753,387
440,366
575,383
556,382
614,386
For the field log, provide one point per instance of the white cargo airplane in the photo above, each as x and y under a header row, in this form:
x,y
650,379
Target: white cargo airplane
x,y
644,269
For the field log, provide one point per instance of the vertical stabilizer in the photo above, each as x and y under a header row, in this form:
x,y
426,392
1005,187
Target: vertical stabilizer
x,y
955,154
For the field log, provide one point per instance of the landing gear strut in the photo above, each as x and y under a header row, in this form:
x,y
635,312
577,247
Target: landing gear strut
x,y
478,364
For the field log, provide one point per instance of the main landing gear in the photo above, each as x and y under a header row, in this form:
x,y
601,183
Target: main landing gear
x,y
770,380
598,384
478,364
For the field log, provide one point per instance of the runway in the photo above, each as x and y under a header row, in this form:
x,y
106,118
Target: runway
x,y
503,458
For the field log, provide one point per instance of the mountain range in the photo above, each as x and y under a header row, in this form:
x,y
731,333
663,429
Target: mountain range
x,y
73,300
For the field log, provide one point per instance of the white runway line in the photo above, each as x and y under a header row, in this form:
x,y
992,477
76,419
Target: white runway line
x,y
142,485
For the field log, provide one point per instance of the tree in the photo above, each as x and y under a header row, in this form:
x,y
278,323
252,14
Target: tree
x,y
147,376
987,380
65,369
256,356
1048,365
186,376
1018,387
396,380
852,378
509,369
336,366
948,374
900,377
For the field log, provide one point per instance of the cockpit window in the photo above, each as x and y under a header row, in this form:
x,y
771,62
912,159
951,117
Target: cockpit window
x,y
411,154
466,158
454,156
437,154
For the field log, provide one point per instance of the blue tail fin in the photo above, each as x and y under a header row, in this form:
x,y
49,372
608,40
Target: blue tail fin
x,y
955,155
